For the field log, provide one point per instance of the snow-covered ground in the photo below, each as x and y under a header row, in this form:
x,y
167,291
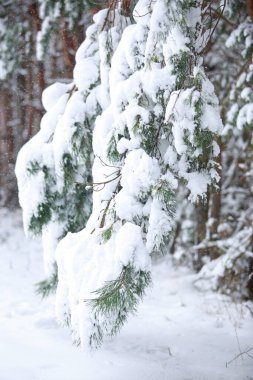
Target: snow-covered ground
x,y
178,334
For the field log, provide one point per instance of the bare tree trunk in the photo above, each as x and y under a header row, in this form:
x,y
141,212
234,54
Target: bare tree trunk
x,y
215,200
68,45
208,219
250,8
29,99
7,195
35,69
40,77
201,208
201,218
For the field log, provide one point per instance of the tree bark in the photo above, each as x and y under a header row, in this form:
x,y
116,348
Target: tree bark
x,y
215,199
250,8
35,69
68,47
7,195
201,209
29,98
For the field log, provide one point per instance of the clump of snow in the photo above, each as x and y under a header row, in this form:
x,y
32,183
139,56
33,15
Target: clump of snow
x,y
197,183
176,42
142,11
53,93
245,116
232,266
134,251
140,172
37,153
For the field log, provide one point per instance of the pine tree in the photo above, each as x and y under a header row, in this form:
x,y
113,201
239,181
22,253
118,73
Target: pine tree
x,y
55,165
159,129
139,130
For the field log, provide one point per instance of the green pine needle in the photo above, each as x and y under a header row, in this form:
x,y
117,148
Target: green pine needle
x,y
115,301
49,285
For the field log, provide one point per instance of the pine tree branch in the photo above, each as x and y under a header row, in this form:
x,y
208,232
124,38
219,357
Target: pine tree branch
x,y
115,301
49,285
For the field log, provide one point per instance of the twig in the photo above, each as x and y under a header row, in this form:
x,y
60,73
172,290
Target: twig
x,y
112,6
220,15
215,26
105,164
105,182
71,92
102,222
241,354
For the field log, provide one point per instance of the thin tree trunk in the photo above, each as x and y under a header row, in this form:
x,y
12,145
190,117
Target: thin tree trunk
x,y
35,69
215,200
29,99
250,8
40,77
68,45
7,195
201,209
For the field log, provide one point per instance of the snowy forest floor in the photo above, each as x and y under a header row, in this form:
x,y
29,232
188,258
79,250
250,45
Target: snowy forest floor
x,y
178,333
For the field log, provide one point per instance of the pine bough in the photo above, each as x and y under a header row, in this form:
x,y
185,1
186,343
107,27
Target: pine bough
x,y
155,116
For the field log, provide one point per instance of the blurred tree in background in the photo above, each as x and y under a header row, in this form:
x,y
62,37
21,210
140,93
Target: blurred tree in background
x,y
38,41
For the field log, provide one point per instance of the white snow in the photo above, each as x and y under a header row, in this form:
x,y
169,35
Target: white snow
x,y
142,11
140,172
86,72
178,334
52,94
135,248
245,116
159,226
197,184
177,42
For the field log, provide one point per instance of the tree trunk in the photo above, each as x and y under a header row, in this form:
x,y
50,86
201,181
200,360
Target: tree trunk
x,y
215,200
68,45
29,99
250,8
201,209
8,194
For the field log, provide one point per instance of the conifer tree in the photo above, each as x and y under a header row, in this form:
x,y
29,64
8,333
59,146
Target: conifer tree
x,y
159,130
139,132
54,167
